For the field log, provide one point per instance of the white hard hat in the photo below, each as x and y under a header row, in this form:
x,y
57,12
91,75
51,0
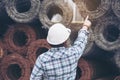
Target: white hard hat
x,y
58,34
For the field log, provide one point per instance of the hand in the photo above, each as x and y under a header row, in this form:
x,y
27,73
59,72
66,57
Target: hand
x,y
87,23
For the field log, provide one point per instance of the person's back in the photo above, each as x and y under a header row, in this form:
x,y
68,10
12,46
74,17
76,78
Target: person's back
x,y
60,63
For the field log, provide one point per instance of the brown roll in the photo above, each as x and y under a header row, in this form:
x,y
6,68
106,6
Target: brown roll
x,y
116,7
84,70
50,8
15,67
3,51
22,10
94,8
1,78
36,48
89,69
18,37
117,78
75,28
107,33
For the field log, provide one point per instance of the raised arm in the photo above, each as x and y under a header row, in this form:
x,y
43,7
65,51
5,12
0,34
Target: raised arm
x,y
81,41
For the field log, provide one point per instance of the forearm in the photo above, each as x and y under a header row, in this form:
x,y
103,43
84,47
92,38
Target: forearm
x,y
81,40
79,44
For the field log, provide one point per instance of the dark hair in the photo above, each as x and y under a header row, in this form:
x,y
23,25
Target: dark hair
x,y
60,45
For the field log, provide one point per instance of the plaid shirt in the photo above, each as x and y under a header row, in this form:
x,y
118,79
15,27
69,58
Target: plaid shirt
x,y
60,63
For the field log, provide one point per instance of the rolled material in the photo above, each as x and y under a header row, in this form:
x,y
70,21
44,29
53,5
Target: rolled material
x,y
116,7
106,78
36,48
15,67
94,8
117,59
22,10
18,37
1,78
57,9
92,70
117,78
2,50
107,33
84,71
75,28
2,4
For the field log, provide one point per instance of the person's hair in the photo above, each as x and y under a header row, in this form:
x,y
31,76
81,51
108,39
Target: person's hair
x,y
60,45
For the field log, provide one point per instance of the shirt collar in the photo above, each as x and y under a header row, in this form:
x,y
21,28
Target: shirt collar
x,y
56,49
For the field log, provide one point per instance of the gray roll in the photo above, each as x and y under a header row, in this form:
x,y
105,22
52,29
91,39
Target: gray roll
x,y
1,5
116,59
116,7
50,8
107,33
29,9
94,8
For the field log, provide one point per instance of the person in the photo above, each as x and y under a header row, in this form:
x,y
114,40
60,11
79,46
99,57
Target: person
x,y
60,62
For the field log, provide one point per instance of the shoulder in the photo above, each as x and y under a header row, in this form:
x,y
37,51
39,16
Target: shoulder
x,y
45,56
